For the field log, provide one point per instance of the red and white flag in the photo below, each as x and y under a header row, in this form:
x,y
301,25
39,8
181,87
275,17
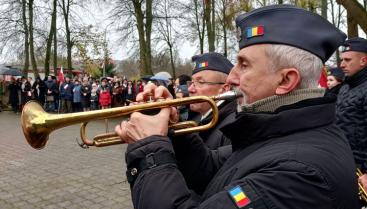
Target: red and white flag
x,y
323,78
60,77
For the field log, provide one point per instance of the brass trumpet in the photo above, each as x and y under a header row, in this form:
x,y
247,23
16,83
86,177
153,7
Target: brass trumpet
x,y
361,193
38,124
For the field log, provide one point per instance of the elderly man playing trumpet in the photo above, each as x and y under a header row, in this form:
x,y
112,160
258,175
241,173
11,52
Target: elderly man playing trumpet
x,y
287,150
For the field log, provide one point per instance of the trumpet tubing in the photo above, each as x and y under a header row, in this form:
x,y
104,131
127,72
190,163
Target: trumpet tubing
x,y
38,124
361,191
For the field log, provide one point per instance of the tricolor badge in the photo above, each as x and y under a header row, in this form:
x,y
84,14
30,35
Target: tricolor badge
x,y
239,197
254,31
202,65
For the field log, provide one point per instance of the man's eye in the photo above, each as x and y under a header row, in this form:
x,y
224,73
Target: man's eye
x,y
244,66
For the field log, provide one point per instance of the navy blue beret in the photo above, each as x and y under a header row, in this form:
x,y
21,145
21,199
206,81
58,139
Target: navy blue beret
x,y
355,44
211,61
337,72
289,25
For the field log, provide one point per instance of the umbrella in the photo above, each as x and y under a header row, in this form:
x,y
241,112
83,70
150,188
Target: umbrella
x,y
146,77
163,76
12,72
2,69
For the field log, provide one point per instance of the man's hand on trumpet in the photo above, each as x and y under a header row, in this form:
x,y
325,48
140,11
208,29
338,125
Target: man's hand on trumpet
x,y
140,125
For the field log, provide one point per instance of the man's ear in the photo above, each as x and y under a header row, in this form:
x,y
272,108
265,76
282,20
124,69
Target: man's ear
x,y
363,61
289,80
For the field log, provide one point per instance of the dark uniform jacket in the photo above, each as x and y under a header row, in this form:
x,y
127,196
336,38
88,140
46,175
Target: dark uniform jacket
x,y
215,142
352,115
295,157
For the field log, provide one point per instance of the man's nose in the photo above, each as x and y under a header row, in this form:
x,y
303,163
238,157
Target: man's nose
x,y
233,78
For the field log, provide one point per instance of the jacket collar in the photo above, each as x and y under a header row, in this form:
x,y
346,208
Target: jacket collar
x,y
252,127
357,79
225,108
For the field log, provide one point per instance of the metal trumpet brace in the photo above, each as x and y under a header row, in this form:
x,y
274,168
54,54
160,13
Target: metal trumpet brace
x,y
38,124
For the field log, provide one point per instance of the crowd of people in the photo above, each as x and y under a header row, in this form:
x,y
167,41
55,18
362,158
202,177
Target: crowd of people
x,y
81,93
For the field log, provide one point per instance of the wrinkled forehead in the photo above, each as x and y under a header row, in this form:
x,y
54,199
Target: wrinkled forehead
x,y
252,53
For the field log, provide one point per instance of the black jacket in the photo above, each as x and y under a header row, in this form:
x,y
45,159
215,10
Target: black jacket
x,y
213,137
215,143
293,158
352,115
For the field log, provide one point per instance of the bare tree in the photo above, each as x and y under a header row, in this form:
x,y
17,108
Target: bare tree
x,y
167,9
193,25
31,39
26,38
209,15
324,6
137,13
49,40
65,7
356,11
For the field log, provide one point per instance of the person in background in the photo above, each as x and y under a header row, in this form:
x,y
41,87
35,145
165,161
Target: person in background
x,y
104,95
26,91
351,114
139,87
181,91
51,92
116,94
85,93
171,86
66,95
334,81
130,93
13,89
94,97
77,105
39,90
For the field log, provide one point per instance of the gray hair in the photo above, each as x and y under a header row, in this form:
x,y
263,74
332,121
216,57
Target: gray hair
x,y
308,65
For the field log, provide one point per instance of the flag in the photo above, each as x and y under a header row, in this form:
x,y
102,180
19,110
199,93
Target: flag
x,y
254,31
60,77
239,197
323,78
203,64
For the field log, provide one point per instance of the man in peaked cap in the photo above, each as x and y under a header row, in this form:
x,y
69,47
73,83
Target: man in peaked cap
x,y
287,150
208,79
352,100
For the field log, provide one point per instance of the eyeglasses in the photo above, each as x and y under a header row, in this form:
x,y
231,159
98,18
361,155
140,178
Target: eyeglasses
x,y
200,84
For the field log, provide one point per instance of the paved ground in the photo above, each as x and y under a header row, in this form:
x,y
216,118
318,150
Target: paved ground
x,y
62,175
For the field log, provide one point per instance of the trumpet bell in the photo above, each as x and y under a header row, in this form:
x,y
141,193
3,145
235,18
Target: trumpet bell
x,y
36,134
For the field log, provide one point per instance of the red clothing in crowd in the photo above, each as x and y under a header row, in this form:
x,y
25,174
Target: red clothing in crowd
x,y
104,98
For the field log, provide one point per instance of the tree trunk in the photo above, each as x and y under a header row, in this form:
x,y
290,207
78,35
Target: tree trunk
x,y
144,32
224,27
26,36
55,38
209,17
148,34
69,44
31,40
140,26
172,62
357,12
49,40
352,26
324,9
199,30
